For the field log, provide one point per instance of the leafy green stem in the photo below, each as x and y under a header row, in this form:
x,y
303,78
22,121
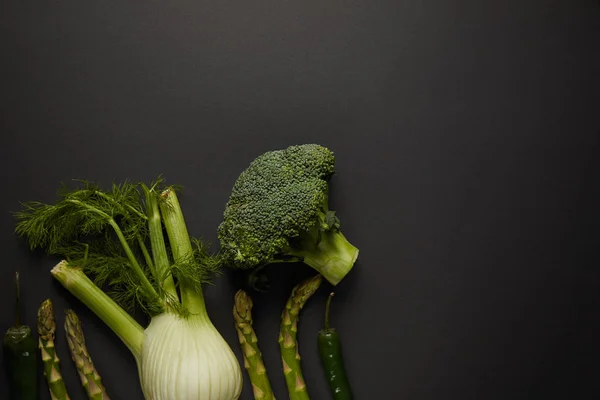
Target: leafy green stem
x,y
157,244
123,208
150,291
92,209
181,247
147,256
121,323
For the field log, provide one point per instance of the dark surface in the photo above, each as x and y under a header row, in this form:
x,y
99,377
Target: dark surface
x,y
467,136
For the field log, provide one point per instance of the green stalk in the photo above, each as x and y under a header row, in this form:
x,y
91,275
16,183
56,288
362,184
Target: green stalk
x,y
46,330
117,319
157,243
90,379
132,260
146,255
333,256
150,291
288,344
253,362
181,246
125,210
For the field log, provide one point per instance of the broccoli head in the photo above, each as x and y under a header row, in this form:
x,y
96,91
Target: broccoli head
x,y
278,211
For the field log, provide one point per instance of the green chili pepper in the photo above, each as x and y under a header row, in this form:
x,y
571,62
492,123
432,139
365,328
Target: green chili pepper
x,y
330,349
20,357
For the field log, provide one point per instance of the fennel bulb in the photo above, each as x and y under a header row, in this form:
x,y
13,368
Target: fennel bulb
x,y
116,237
187,358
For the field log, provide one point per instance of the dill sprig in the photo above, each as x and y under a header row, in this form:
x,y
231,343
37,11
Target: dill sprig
x,y
198,270
81,211
116,237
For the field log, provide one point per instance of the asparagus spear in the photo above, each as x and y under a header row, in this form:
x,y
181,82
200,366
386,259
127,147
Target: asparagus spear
x,y
90,379
290,357
242,313
46,329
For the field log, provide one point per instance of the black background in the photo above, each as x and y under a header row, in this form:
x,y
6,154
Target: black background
x,y
466,133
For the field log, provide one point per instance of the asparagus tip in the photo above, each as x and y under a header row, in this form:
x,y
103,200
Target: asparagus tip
x,y
242,307
46,322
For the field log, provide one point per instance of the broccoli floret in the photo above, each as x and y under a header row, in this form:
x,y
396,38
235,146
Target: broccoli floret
x,y
278,211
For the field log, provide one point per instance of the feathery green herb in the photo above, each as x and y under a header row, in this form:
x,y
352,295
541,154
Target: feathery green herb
x,y
109,235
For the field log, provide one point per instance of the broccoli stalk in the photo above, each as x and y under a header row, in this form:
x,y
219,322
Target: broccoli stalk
x,y
278,211
326,249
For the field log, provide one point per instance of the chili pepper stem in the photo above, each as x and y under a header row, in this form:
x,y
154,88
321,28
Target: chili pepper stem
x,y
18,304
327,304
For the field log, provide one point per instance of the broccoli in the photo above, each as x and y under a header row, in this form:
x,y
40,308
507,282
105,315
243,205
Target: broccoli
x,y
278,211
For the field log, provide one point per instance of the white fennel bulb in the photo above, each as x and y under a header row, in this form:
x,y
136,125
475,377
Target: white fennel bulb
x,y
187,359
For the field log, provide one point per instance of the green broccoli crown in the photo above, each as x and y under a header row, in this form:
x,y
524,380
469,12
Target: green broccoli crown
x,y
281,195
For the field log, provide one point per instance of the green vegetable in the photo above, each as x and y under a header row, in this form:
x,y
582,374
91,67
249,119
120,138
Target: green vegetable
x,y
288,344
242,314
90,379
115,237
20,357
330,349
278,211
46,330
